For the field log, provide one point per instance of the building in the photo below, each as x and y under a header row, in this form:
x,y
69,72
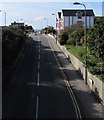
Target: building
x,y
16,24
66,18
103,8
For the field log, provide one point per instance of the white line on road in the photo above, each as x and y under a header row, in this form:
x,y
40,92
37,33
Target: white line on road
x,y
38,79
38,75
37,100
39,46
39,57
39,51
38,65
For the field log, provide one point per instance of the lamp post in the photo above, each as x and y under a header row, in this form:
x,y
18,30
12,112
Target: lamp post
x,y
77,3
5,15
47,24
56,26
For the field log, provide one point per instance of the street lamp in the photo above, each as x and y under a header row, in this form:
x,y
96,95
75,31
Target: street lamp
x,y
77,3
56,26
47,24
5,16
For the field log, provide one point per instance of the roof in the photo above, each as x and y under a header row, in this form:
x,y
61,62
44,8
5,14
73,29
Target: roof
x,y
89,12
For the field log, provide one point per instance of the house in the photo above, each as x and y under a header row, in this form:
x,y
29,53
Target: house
x,y
68,17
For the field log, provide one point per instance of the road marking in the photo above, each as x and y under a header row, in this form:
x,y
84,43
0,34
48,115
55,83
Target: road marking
x,y
38,65
37,101
39,51
39,57
39,46
38,79
78,113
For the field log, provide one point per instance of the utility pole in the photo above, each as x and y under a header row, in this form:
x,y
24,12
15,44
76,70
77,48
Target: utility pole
x,y
56,27
77,3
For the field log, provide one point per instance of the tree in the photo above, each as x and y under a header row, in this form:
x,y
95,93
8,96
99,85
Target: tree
x,y
49,29
75,37
96,39
77,26
63,37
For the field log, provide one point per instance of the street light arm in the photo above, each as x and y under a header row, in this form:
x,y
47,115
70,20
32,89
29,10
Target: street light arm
x,y
83,5
77,3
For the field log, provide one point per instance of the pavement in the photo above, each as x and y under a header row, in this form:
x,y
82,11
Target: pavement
x,y
90,105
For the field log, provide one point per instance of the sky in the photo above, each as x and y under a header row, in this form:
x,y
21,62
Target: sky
x,y
33,13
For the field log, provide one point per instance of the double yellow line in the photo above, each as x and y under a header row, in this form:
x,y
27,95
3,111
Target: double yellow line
x,y
76,106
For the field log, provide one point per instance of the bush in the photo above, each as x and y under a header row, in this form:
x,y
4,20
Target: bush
x,y
63,38
71,42
12,41
75,37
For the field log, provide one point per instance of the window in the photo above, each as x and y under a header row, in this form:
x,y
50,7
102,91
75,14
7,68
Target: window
x,y
74,20
87,21
70,20
92,22
66,22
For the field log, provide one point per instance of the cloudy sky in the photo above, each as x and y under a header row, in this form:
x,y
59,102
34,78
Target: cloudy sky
x,y
33,12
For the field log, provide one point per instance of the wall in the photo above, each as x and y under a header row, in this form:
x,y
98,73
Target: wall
x,y
95,84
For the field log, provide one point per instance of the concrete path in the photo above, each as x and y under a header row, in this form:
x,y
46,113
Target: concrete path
x,y
90,106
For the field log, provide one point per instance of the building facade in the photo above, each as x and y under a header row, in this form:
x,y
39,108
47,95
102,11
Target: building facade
x,y
103,8
66,18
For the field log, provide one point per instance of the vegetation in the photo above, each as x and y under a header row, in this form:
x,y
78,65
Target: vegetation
x,y
73,39
13,39
49,30
95,39
77,51
63,37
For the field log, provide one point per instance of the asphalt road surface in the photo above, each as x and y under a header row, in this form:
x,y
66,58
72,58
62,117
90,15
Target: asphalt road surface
x,y
39,88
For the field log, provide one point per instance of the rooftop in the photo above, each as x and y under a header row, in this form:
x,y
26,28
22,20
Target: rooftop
x,y
67,12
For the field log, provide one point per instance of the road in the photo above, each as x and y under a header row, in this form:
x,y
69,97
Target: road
x,y
39,88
